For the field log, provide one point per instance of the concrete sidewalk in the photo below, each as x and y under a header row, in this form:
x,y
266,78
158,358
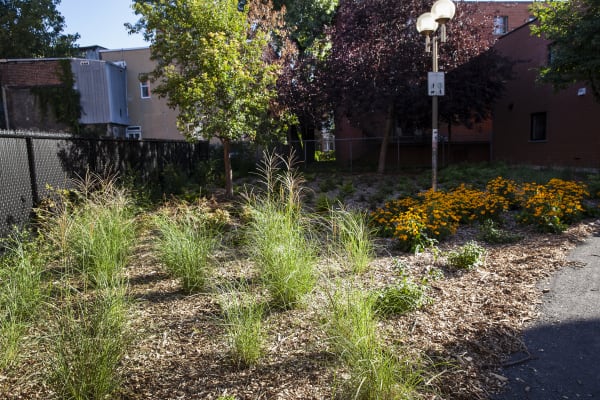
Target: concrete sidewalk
x,y
564,343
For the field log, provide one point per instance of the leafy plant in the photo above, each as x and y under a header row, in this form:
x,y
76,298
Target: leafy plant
x,y
401,298
468,256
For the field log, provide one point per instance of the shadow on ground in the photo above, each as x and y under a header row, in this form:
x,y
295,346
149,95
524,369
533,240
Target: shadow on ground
x,y
563,363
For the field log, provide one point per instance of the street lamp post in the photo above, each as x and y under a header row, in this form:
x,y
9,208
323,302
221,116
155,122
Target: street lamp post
x,y
442,11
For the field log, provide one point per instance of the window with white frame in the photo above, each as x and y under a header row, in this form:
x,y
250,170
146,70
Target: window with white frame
x,y
145,89
500,24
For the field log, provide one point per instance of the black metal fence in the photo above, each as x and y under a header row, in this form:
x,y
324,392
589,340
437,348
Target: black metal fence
x,y
33,162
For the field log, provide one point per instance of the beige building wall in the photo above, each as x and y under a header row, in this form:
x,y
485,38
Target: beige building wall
x,y
157,120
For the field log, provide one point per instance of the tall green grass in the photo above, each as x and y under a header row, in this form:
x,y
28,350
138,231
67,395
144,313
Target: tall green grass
x,y
279,237
375,372
21,293
186,246
93,230
244,327
353,238
87,344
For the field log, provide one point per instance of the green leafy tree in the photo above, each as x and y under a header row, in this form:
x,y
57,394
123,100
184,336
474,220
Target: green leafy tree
x,y
573,27
307,20
33,29
213,66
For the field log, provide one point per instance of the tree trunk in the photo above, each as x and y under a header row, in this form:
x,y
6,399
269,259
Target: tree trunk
x,y
228,171
389,125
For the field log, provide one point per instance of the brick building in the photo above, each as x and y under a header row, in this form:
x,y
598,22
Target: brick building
x,y
533,123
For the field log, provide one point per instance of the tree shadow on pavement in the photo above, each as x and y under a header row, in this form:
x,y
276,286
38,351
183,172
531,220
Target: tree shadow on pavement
x,y
563,363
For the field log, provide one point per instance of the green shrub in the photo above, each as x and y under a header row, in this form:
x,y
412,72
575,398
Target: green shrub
x,y
469,256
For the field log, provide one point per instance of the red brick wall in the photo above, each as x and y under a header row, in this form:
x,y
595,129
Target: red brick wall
x,y
572,133
517,12
29,73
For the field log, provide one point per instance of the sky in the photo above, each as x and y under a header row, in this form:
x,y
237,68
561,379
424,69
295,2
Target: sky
x,y
100,22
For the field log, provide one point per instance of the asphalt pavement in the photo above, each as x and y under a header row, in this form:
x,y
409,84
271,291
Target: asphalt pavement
x,y
562,360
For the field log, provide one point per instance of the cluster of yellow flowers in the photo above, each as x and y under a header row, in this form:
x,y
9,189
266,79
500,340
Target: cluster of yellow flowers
x,y
552,206
435,215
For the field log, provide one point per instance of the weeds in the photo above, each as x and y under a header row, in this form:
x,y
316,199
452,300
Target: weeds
x,y
469,256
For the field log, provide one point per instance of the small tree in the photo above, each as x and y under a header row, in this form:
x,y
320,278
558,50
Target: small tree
x,y
212,65
573,27
378,63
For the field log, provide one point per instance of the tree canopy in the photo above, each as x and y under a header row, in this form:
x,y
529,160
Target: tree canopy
x,y
213,66
573,27
378,65
33,29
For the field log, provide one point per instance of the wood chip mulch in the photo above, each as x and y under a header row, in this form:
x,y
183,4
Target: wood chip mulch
x,y
179,348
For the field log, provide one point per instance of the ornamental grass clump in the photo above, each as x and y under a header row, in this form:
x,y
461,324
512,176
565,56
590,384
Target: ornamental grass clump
x,y
88,342
353,238
279,237
374,371
188,240
244,327
21,292
95,233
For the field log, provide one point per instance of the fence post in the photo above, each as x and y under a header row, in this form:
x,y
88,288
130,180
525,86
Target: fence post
x,y
32,172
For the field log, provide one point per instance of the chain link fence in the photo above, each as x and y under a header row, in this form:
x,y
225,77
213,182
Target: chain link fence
x,y
32,162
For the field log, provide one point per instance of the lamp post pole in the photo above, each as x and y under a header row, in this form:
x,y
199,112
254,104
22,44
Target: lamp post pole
x,y
434,119
427,24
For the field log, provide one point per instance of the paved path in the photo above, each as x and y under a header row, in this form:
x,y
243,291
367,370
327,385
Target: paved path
x,y
564,343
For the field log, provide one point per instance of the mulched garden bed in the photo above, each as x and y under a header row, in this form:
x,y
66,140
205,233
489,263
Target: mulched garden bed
x,y
179,349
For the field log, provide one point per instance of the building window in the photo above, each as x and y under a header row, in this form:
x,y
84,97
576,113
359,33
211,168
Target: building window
x,y
145,89
538,127
500,24
551,53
